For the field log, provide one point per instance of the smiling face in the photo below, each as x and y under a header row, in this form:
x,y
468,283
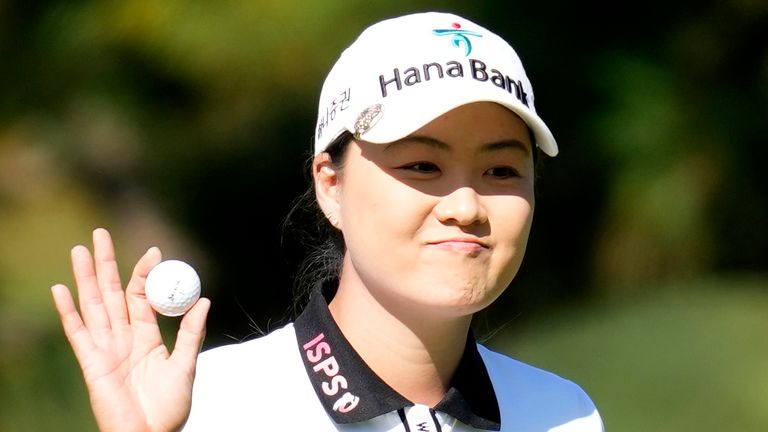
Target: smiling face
x,y
437,220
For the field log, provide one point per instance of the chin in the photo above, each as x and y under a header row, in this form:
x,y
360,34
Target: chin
x,y
463,298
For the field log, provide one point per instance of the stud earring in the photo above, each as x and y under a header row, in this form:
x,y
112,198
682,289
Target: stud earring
x,y
333,220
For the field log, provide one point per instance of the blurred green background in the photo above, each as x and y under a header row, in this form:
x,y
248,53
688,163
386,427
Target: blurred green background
x,y
186,125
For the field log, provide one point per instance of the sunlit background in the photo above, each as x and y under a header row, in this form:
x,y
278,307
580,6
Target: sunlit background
x,y
186,125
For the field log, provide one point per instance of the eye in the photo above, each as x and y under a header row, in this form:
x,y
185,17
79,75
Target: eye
x,y
421,167
503,172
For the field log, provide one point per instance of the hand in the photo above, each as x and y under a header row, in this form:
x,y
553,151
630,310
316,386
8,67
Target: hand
x,y
134,383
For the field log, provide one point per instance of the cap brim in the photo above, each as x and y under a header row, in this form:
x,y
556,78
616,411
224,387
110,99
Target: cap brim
x,y
397,122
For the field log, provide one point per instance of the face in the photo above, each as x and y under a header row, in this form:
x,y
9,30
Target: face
x,y
440,219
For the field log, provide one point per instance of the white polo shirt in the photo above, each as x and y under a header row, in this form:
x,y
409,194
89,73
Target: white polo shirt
x,y
306,376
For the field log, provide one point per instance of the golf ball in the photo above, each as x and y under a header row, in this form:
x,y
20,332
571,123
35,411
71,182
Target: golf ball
x,y
172,287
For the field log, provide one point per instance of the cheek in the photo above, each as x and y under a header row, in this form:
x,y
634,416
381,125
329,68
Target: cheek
x,y
511,231
375,236
383,213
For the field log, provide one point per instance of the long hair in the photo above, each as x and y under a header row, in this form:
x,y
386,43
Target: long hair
x,y
308,226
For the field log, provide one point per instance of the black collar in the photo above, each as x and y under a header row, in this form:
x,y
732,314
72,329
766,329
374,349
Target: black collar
x,y
351,392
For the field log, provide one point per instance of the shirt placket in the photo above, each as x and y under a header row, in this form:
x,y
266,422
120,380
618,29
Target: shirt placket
x,y
421,418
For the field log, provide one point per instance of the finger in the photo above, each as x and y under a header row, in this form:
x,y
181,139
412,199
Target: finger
x,y
191,333
108,279
76,332
91,303
141,315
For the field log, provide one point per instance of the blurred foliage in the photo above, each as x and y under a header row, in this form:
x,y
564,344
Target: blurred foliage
x,y
187,124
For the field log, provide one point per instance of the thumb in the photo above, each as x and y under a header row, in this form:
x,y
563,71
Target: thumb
x,y
191,333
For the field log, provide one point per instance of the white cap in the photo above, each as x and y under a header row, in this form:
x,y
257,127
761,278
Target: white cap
x,y
404,72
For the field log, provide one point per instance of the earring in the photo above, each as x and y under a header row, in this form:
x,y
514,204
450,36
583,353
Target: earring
x,y
333,220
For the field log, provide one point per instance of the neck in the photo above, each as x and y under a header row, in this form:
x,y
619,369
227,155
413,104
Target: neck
x,y
414,353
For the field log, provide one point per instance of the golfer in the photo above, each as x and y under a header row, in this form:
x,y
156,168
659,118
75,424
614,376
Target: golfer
x,y
423,171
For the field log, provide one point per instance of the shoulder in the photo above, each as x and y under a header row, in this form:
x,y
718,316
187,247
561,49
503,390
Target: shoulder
x,y
280,343
530,397
269,362
254,381
505,369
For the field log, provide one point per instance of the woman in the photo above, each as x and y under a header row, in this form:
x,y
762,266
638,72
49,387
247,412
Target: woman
x,y
424,164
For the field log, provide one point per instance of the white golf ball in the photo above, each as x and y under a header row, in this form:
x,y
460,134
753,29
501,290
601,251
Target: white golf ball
x,y
172,287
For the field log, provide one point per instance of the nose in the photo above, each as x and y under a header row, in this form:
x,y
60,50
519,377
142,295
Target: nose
x,y
463,206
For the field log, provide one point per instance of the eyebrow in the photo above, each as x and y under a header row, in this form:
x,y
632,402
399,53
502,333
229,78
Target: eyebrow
x,y
506,144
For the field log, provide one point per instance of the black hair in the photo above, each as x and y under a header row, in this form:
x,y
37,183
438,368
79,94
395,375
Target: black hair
x,y
322,242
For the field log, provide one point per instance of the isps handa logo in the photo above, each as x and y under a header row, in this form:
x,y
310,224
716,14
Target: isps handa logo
x,y
318,352
459,37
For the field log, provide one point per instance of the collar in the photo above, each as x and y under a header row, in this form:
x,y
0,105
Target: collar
x,y
351,392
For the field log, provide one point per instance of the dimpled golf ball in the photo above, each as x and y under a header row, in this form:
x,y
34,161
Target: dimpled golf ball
x,y
172,287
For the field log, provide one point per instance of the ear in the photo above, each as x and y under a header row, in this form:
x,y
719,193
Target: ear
x,y
327,180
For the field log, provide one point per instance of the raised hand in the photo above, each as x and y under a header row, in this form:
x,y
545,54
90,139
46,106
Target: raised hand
x,y
134,383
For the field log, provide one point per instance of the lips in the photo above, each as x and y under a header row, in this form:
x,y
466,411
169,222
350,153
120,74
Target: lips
x,y
466,245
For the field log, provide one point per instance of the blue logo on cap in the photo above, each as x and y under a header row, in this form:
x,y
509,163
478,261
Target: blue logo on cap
x,y
459,36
